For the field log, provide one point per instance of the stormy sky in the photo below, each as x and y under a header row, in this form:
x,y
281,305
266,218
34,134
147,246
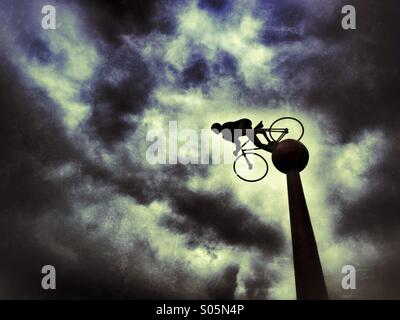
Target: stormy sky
x,y
76,104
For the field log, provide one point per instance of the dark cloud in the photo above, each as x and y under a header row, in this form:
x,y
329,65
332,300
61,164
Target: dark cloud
x,y
277,35
133,182
258,282
376,213
208,218
384,281
40,50
36,222
25,17
196,72
284,22
88,266
226,64
120,89
113,19
143,185
282,13
32,141
218,7
353,75
223,285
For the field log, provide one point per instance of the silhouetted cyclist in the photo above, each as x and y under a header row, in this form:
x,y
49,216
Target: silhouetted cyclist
x,y
231,131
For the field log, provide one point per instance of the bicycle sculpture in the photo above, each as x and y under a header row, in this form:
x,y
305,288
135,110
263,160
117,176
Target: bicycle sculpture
x,y
251,166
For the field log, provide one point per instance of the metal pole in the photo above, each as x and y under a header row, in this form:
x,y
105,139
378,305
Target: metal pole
x,y
310,283
291,157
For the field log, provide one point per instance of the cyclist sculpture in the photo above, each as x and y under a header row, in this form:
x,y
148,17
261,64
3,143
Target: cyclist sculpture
x,y
250,166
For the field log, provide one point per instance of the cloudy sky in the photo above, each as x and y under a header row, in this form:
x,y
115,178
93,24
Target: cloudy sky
x,y
76,104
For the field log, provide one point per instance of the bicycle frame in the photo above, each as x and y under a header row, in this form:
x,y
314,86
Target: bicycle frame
x,y
284,131
248,149
244,152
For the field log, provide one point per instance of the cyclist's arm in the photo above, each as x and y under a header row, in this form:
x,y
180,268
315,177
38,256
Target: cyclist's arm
x,y
238,145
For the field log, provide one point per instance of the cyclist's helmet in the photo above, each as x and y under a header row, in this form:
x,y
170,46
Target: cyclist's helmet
x,y
216,128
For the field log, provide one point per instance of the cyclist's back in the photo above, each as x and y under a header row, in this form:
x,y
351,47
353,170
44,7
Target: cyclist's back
x,y
238,128
231,131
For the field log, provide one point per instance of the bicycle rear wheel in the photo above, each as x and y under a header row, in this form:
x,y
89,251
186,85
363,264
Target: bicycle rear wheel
x,y
286,127
257,171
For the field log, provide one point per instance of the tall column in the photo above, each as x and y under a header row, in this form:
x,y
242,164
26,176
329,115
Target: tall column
x,y
291,157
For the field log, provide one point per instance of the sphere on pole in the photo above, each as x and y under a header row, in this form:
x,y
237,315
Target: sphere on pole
x,y
290,155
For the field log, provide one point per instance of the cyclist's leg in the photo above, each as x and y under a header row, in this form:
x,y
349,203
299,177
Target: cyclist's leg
x,y
263,132
259,144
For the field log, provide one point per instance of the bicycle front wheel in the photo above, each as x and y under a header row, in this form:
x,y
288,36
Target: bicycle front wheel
x,y
250,167
286,128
